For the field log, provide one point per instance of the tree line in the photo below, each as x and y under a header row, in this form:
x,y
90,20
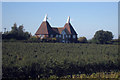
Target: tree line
x,y
18,33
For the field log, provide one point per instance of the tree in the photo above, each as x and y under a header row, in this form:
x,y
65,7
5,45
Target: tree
x,y
14,28
16,33
82,39
103,36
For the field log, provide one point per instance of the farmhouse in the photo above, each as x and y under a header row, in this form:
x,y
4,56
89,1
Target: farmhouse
x,y
64,34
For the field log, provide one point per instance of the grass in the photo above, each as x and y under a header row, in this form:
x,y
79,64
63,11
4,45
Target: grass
x,y
59,59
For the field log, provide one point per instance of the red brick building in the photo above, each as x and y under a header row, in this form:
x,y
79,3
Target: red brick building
x,y
64,34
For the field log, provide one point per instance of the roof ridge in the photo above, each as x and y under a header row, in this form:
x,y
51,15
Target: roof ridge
x,y
57,27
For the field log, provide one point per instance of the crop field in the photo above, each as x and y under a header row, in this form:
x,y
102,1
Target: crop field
x,y
45,60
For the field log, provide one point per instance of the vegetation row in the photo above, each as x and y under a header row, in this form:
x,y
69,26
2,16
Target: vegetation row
x,y
42,60
18,33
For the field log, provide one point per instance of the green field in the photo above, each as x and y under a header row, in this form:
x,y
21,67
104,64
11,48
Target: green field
x,y
41,60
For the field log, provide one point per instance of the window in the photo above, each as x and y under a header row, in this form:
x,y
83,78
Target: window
x,y
56,35
42,35
51,35
69,36
66,36
39,35
63,32
73,36
59,35
63,36
63,41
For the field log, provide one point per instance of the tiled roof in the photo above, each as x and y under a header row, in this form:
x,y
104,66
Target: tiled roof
x,y
45,28
69,27
60,29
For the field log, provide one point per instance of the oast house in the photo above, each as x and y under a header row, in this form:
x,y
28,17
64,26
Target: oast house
x,y
64,34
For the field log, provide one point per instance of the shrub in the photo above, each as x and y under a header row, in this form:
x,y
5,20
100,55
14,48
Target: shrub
x,y
82,39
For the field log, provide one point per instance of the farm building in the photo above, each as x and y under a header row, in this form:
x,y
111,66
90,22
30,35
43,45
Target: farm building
x,y
64,34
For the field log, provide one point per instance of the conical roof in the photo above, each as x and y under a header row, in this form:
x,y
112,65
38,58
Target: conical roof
x,y
45,28
69,27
